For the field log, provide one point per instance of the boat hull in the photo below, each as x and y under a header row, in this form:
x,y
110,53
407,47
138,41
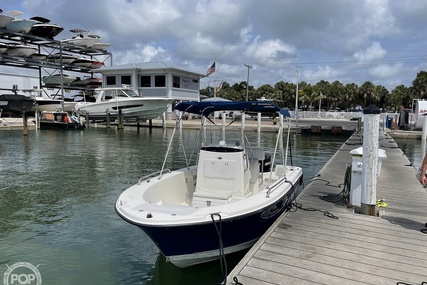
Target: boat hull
x,y
132,108
4,20
55,80
45,30
21,51
11,104
59,120
197,240
20,25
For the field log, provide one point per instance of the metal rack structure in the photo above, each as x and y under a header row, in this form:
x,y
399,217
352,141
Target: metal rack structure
x,y
46,48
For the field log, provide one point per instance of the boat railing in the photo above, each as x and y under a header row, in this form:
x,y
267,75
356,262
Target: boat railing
x,y
154,174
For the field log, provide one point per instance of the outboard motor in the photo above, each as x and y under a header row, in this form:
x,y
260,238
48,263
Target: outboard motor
x,y
265,164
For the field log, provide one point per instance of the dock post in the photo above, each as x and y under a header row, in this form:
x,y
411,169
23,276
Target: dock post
x,y
87,119
121,124
25,122
371,123
164,120
424,133
359,124
108,119
37,114
258,122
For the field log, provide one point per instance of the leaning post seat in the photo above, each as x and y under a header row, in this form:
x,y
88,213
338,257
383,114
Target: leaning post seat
x,y
221,174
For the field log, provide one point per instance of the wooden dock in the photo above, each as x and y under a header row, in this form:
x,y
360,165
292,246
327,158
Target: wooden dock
x,y
327,243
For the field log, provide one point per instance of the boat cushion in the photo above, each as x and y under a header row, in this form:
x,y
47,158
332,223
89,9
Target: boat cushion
x,y
213,194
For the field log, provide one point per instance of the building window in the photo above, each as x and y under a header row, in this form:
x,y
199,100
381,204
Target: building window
x,y
111,80
160,81
126,79
176,82
145,81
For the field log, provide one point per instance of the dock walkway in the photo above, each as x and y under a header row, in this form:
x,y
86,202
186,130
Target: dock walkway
x,y
309,247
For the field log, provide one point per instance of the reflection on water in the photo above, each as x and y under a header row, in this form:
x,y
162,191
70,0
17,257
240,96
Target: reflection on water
x,y
207,273
413,149
57,195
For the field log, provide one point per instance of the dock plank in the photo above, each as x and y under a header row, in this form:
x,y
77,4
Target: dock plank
x,y
308,247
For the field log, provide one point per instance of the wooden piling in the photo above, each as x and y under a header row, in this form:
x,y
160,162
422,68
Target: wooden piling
x,y
24,122
121,123
108,119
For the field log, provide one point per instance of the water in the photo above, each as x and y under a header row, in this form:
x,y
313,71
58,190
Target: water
x,y
57,195
413,149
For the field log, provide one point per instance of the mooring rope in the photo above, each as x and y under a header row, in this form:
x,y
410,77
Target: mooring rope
x,y
222,259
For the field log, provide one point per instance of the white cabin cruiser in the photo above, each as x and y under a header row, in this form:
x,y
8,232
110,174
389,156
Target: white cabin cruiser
x,y
114,100
233,186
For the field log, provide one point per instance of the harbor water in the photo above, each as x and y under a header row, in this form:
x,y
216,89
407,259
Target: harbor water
x,y
57,195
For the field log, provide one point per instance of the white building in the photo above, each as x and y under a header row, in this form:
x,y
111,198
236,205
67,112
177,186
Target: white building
x,y
158,79
21,81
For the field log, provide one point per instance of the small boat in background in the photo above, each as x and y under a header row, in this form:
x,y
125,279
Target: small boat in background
x,y
39,56
96,64
23,50
80,39
4,19
58,119
87,82
83,62
15,104
57,79
20,25
125,100
43,28
99,45
65,57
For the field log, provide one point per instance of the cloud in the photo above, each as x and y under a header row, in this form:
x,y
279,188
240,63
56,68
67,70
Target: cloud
x,y
386,70
373,52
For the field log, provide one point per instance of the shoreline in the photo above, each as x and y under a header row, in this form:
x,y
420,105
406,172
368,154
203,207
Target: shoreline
x,y
250,125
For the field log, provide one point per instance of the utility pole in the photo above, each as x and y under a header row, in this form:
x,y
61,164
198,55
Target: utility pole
x,y
296,101
247,81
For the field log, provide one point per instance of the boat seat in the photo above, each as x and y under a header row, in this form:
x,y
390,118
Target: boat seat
x,y
211,198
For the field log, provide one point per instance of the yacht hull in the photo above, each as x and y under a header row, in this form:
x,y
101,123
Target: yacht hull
x,y
132,108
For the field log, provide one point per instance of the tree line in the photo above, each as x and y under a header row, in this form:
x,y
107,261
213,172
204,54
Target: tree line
x,y
335,95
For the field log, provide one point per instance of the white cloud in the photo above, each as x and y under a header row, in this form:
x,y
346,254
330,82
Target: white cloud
x,y
386,70
373,52
326,73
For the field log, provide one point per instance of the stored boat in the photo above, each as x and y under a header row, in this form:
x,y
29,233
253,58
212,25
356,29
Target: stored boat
x,y
83,62
23,50
58,79
96,64
3,47
64,57
61,120
44,28
122,99
20,25
92,82
15,104
81,39
222,203
4,20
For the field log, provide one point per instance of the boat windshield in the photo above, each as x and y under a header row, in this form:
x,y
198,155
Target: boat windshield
x,y
110,94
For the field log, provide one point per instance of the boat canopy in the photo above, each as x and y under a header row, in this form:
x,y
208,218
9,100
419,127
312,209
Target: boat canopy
x,y
205,107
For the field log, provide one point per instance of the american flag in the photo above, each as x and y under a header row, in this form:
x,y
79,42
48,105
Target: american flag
x,y
211,69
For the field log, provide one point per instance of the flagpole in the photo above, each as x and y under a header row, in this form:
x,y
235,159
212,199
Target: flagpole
x,y
215,78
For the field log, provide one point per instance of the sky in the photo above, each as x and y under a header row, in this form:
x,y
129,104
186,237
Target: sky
x,y
352,41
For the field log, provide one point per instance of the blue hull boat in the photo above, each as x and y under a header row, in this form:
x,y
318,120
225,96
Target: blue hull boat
x,y
221,203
